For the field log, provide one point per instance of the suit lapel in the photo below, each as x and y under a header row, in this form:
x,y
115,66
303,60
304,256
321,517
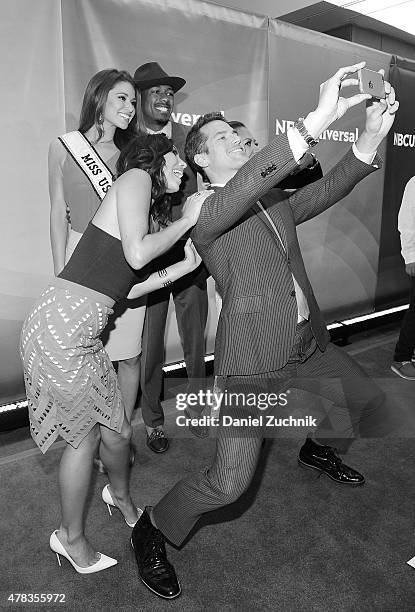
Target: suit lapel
x,y
277,221
276,218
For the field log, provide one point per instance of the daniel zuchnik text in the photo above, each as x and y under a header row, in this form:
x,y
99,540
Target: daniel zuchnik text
x,y
260,421
217,399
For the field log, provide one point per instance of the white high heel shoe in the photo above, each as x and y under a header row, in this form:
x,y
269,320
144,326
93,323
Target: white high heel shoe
x,y
103,562
107,499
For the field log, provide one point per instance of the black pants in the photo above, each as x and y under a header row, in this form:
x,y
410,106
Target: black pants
x,y
191,304
332,374
404,349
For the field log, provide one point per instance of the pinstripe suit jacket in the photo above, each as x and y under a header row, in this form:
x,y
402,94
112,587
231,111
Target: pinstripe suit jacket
x,y
252,270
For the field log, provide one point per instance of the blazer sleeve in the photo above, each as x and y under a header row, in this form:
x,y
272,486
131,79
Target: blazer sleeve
x,y
226,206
317,197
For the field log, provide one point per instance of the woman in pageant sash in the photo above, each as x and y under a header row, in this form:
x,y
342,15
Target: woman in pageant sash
x,y
81,170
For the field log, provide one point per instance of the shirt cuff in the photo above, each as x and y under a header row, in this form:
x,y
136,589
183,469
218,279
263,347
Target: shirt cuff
x,y
297,143
366,158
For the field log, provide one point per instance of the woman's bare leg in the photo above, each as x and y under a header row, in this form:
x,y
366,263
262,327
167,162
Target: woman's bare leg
x,y
115,453
74,481
129,380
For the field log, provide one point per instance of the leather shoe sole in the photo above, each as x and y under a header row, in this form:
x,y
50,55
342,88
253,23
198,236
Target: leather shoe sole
x,y
156,449
314,467
151,588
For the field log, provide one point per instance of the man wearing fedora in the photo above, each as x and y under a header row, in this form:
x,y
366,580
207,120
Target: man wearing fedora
x,y
189,294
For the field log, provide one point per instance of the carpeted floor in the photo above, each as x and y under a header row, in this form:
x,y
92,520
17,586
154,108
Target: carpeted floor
x,y
294,542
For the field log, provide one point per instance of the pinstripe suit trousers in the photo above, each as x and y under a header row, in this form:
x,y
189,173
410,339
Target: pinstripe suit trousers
x,y
358,406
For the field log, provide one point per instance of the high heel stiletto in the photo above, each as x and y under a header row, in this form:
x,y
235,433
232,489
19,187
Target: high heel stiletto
x,y
107,499
103,562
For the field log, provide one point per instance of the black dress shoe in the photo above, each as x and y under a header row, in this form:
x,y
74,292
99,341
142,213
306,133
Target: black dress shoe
x,y
154,569
324,459
157,441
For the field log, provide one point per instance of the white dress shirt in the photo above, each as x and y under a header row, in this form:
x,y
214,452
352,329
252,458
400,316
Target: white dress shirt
x,y
406,222
166,129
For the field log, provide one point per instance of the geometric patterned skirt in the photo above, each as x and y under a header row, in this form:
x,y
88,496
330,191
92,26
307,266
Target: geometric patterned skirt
x,y
70,381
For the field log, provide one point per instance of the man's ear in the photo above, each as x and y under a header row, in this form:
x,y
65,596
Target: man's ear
x,y
201,160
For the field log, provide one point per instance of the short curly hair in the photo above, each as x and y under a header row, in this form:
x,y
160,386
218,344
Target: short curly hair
x,y
147,151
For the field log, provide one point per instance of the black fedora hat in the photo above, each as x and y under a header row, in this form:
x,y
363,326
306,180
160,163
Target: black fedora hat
x,y
150,74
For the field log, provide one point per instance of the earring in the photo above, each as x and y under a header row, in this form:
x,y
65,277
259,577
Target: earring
x,y
100,118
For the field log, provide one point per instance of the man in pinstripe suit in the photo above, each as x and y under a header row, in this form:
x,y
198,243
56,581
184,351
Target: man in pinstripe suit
x,y
270,328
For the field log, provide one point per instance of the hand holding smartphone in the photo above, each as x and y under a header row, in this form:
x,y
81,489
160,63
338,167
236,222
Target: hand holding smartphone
x,y
372,83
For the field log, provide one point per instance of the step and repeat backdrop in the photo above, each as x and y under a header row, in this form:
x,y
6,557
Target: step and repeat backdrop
x,y
392,282
253,69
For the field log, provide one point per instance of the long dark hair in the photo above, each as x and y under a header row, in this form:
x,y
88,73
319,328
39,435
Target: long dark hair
x,y
146,151
93,104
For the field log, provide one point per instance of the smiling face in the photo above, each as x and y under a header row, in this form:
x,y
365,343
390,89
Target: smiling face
x,y
119,108
157,106
173,171
249,143
224,153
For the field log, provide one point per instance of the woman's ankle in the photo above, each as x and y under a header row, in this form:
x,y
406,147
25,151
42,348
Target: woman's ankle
x,y
70,537
122,497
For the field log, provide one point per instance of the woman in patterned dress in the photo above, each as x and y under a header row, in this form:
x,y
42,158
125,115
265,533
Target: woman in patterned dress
x,y
71,385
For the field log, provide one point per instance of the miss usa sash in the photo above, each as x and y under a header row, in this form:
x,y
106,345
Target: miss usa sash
x,y
88,160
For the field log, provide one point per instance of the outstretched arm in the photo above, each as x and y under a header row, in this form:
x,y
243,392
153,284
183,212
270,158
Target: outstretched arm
x,y
273,163
133,197
342,178
58,219
227,205
335,185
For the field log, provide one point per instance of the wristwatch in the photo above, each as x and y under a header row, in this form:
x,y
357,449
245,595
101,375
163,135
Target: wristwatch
x,y
299,125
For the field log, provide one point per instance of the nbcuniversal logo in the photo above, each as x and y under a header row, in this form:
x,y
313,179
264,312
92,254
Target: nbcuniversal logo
x,y
403,140
281,127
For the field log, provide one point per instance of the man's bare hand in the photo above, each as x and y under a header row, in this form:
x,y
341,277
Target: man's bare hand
x,y
410,268
380,114
331,105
